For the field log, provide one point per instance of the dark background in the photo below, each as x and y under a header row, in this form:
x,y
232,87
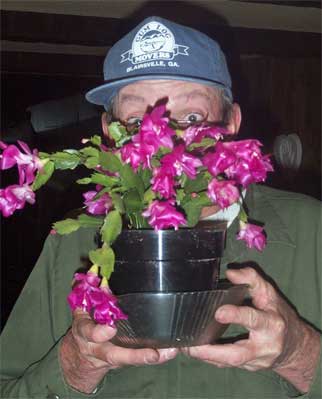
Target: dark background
x,y
276,79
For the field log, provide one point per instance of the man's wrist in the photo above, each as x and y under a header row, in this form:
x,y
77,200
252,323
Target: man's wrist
x,y
300,367
79,372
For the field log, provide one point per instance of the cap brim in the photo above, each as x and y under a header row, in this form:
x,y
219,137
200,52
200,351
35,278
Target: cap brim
x,y
102,95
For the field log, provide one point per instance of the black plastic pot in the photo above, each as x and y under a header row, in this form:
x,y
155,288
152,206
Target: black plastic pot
x,y
168,260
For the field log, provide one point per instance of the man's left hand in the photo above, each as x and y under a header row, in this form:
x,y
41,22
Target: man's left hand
x,y
278,338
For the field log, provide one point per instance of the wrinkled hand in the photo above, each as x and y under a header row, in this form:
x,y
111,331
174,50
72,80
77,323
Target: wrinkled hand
x,y
87,355
278,338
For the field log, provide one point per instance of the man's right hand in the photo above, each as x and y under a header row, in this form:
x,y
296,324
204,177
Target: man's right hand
x,y
86,354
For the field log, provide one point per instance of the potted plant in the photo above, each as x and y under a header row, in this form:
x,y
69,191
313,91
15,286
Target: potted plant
x,y
147,192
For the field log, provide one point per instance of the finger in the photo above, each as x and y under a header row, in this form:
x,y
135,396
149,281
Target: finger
x,y
167,354
85,327
186,351
250,318
118,356
263,294
229,354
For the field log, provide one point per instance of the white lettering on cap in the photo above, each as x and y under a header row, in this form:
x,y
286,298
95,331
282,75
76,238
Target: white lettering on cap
x,y
153,42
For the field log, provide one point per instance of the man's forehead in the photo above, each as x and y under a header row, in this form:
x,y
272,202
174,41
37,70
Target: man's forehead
x,y
177,89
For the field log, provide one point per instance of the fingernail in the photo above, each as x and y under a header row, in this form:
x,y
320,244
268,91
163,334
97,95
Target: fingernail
x,y
219,315
171,353
104,333
151,358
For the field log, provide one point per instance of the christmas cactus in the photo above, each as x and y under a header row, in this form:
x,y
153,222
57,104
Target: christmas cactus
x,y
156,175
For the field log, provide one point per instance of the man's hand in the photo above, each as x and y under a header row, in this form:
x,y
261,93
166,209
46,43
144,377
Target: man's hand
x,y
278,338
86,354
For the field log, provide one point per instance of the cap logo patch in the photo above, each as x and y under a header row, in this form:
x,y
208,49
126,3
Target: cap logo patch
x,y
153,42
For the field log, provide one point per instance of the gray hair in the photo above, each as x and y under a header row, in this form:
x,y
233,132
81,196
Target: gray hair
x,y
226,105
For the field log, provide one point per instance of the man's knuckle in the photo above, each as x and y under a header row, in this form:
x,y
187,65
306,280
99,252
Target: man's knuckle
x,y
279,325
253,317
252,272
236,361
111,358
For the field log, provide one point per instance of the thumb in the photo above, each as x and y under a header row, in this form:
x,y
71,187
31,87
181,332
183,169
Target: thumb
x,y
86,328
261,292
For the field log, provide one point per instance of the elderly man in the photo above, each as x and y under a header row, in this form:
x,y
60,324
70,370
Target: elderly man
x,y
46,354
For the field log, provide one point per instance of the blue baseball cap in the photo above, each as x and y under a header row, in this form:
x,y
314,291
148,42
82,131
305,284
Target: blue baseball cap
x,y
161,49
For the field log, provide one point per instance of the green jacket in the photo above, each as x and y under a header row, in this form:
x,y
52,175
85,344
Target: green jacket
x,y
30,341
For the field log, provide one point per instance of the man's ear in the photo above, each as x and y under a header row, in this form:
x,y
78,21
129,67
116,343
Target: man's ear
x,y
235,119
104,124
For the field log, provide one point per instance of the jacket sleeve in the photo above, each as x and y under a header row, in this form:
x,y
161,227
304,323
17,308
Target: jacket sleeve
x,y
309,259
316,387
30,366
315,391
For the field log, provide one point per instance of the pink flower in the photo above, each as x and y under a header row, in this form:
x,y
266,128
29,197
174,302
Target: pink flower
x,y
194,134
99,301
131,154
239,160
163,183
217,162
245,149
27,162
162,215
15,197
179,161
106,310
139,152
99,206
253,236
154,129
251,170
83,294
223,192
153,134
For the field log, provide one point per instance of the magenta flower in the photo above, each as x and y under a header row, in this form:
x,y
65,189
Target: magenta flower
x,y
250,166
223,192
179,161
94,299
99,206
131,154
153,134
194,134
106,310
239,160
83,294
219,161
154,129
253,235
27,162
245,149
251,170
15,197
163,214
163,183
139,152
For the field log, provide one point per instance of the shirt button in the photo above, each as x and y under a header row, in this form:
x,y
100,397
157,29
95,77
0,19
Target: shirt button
x,y
53,396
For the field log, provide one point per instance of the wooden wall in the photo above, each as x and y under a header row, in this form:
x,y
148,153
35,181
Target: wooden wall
x,y
284,96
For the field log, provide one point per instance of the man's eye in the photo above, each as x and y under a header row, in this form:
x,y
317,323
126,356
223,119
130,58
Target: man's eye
x,y
194,117
134,121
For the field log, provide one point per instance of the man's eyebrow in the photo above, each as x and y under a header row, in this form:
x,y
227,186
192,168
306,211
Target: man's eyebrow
x,y
191,94
131,98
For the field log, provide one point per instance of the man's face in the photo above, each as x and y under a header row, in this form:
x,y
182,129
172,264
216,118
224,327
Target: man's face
x,y
186,101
